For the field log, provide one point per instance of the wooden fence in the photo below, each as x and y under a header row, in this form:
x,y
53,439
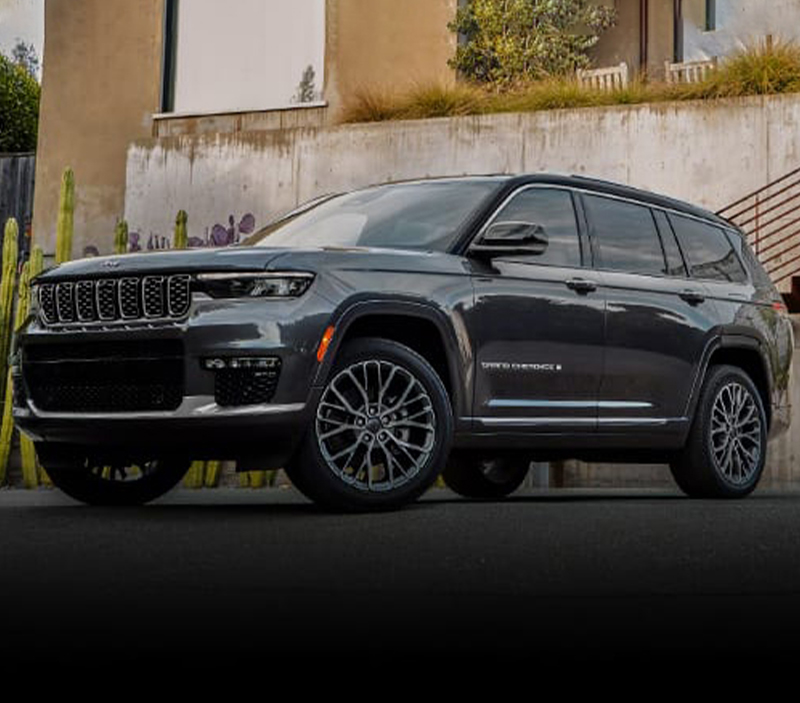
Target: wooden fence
x,y
16,190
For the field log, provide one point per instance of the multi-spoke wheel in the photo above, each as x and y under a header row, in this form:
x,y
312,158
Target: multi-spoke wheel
x,y
380,433
115,484
486,476
726,450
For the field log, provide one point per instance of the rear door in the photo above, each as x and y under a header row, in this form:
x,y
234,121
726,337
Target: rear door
x,y
658,320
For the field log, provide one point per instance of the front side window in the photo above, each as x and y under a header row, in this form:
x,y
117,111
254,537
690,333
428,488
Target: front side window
x,y
554,212
242,55
626,236
709,251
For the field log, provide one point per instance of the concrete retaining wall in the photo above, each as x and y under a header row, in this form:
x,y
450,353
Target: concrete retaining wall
x,y
710,153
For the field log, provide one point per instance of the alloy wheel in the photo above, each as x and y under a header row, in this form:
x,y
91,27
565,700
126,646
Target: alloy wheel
x,y
376,426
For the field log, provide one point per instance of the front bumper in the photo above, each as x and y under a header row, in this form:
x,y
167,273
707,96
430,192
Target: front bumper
x,y
200,427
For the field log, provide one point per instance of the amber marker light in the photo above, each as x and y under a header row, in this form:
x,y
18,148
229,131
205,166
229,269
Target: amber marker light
x,y
327,338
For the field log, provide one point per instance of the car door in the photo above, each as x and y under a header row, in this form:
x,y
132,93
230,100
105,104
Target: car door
x,y
537,322
658,320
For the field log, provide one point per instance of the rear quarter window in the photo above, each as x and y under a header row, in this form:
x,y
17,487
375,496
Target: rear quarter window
x,y
709,252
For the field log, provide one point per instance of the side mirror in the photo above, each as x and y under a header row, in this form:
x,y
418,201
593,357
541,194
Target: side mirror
x,y
511,239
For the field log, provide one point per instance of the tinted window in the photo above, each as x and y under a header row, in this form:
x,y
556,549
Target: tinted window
x,y
554,211
626,236
710,253
675,264
423,215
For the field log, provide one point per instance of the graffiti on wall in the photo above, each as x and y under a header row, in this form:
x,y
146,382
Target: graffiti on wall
x,y
217,235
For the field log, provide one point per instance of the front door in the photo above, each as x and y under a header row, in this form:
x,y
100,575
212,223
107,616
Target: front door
x,y
537,324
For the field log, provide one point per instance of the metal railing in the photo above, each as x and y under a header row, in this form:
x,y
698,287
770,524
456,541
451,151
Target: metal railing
x,y
770,217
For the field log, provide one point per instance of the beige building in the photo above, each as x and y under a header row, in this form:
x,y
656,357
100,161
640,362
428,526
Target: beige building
x,y
175,73
118,71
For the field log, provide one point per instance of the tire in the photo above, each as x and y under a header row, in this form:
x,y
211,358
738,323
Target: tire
x,y
486,476
726,449
117,486
381,431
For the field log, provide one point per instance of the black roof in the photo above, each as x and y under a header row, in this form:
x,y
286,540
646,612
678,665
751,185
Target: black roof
x,y
622,191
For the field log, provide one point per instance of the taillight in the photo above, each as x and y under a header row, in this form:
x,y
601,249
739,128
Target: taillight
x,y
780,307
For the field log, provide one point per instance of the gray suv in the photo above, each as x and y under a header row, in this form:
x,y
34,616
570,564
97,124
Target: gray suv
x,y
370,341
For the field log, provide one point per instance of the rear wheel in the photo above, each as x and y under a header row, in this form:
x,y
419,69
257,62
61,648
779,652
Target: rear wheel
x,y
381,431
116,485
726,451
487,477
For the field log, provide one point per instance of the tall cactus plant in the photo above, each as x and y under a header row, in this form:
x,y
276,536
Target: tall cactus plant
x,y
65,225
7,285
181,239
121,238
9,276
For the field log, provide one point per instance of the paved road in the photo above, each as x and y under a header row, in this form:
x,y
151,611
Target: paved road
x,y
544,576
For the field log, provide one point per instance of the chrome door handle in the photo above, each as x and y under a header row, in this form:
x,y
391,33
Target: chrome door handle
x,y
581,285
693,297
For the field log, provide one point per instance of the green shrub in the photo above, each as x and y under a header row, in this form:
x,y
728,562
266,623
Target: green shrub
x,y
19,108
763,69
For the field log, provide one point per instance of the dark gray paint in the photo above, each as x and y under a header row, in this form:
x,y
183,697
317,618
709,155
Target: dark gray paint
x,y
628,352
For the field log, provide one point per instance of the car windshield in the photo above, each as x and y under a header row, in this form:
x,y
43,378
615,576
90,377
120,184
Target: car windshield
x,y
418,215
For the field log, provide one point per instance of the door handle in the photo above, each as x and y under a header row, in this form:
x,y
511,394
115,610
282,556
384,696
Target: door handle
x,y
581,285
693,297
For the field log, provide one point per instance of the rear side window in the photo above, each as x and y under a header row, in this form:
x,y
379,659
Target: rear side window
x,y
626,236
554,211
759,276
708,250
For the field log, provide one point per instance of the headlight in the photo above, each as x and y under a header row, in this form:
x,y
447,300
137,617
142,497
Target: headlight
x,y
255,285
34,308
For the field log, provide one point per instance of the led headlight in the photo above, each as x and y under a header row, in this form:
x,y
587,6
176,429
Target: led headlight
x,y
34,308
256,285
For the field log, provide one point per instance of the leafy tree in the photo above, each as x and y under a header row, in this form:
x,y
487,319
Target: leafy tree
x,y
509,41
306,91
19,107
24,54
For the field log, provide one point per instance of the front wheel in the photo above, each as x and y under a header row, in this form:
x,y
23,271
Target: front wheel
x,y
381,432
117,485
727,447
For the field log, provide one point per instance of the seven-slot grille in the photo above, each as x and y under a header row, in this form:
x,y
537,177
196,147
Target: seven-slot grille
x,y
115,299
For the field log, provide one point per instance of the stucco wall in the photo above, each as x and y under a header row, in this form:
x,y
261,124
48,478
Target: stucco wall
x,y
102,83
100,87
383,44
739,22
710,153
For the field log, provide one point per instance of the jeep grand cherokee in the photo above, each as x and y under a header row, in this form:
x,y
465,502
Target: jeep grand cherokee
x,y
371,341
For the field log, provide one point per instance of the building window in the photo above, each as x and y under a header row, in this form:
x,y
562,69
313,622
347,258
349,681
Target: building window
x,y
711,15
242,55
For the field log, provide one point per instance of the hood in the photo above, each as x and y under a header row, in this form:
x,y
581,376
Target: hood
x,y
236,259
162,262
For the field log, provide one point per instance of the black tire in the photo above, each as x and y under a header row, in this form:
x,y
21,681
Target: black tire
x,y
117,486
708,467
486,476
374,471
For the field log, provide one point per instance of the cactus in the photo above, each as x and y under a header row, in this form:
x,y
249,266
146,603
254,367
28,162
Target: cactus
x,y
181,239
32,473
213,473
27,453
66,217
195,476
6,431
121,238
7,284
